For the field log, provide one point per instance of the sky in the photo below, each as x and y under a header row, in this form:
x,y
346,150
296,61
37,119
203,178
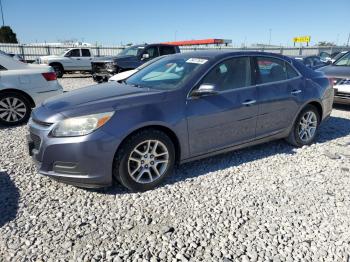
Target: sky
x,y
117,22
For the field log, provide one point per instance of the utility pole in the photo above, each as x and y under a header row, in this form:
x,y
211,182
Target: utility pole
x,y
347,44
2,14
270,36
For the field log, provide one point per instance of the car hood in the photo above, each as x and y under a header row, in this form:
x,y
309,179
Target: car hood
x,y
336,71
94,99
50,57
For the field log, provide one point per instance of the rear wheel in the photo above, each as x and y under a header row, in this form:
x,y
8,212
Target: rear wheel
x,y
305,127
14,109
144,160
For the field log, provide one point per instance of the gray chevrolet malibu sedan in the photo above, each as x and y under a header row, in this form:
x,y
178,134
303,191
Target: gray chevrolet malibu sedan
x,y
183,107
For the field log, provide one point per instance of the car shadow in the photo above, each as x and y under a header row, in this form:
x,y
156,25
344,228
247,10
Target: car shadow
x,y
333,128
9,197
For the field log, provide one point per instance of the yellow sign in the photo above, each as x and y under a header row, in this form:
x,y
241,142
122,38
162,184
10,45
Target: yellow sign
x,y
302,39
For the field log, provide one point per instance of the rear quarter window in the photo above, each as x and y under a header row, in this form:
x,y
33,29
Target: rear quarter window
x,y
2,68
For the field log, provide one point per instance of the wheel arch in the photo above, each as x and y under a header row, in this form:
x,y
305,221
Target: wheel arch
x,y
17,91
56,63
170,133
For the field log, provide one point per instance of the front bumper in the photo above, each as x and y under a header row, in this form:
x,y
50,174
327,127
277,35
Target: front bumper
x,y
85,161
341,97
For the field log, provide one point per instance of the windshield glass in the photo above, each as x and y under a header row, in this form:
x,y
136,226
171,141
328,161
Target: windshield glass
x,y
166,74
63,52
343,61
133,51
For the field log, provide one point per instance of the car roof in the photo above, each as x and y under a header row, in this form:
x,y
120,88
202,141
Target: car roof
x,y
218,54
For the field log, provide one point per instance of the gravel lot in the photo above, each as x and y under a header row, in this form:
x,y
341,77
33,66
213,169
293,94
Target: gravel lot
x,y
266,203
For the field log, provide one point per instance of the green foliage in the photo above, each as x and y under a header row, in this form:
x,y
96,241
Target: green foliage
x,y
7,35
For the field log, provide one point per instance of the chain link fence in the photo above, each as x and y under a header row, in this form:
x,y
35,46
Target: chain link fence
x,y
31,51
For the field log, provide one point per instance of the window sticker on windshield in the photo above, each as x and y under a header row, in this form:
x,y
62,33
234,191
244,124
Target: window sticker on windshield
x,y
200,61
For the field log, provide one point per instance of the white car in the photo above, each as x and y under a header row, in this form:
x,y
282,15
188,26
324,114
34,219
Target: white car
x,y
73,59
23,87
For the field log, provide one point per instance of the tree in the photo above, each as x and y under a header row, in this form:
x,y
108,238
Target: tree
x,y
7,35
325,43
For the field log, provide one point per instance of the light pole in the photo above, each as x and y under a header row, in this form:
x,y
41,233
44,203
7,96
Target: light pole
x,y
2,14
270,36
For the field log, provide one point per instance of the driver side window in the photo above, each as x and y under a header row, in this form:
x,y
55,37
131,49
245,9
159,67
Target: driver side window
x,y
73,53
152,51
230,74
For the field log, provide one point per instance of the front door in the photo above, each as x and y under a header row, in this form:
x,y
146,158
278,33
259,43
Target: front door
x,y
228,117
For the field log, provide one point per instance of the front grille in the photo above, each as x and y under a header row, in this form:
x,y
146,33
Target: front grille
x,y
342,95
36,140
98,67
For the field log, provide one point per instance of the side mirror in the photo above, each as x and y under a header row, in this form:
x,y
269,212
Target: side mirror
x,y
145,56
205,90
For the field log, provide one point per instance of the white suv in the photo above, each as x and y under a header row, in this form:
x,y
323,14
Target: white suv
x,y
22,87
73,59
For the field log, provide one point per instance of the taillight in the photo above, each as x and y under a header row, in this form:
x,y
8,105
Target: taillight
x,y
50,76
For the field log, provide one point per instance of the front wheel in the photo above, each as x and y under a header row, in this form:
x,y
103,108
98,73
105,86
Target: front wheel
x,y
14,109
144,160
305,127
58,70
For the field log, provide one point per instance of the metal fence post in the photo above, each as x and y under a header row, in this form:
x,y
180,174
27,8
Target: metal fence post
x,y
48,50
21,47
97,51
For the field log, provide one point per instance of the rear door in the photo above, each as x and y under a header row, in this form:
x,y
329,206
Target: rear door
x,y
280,89
228,117
86,59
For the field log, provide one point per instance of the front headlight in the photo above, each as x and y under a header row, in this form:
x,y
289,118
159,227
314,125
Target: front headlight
x,y
80,126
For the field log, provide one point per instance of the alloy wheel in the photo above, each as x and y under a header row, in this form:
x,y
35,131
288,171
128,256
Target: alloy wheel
x,y
148,161
307,126
12,109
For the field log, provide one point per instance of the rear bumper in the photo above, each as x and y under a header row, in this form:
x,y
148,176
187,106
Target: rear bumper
x,y
40,96
85,161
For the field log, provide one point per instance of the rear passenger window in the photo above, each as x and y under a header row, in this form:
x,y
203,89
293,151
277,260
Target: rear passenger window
x,y
291,73
166,50
273,70
230,74
85,52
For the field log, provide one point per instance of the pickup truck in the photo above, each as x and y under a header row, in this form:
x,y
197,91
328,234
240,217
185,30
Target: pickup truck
x,y
129,59
72,59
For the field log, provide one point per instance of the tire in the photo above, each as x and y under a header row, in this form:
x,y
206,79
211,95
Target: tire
x,y
58,70
299,138
15,109
144,174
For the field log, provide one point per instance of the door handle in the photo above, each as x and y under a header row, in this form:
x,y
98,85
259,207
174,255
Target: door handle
x,y
249,102
78,58
295,92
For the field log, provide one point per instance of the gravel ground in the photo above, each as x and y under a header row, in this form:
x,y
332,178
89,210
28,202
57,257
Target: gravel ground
x,y
266,203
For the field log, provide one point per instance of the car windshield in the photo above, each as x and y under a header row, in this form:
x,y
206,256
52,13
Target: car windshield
x,y
343,61
133,51
339,56
166,74
63,52
150,62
